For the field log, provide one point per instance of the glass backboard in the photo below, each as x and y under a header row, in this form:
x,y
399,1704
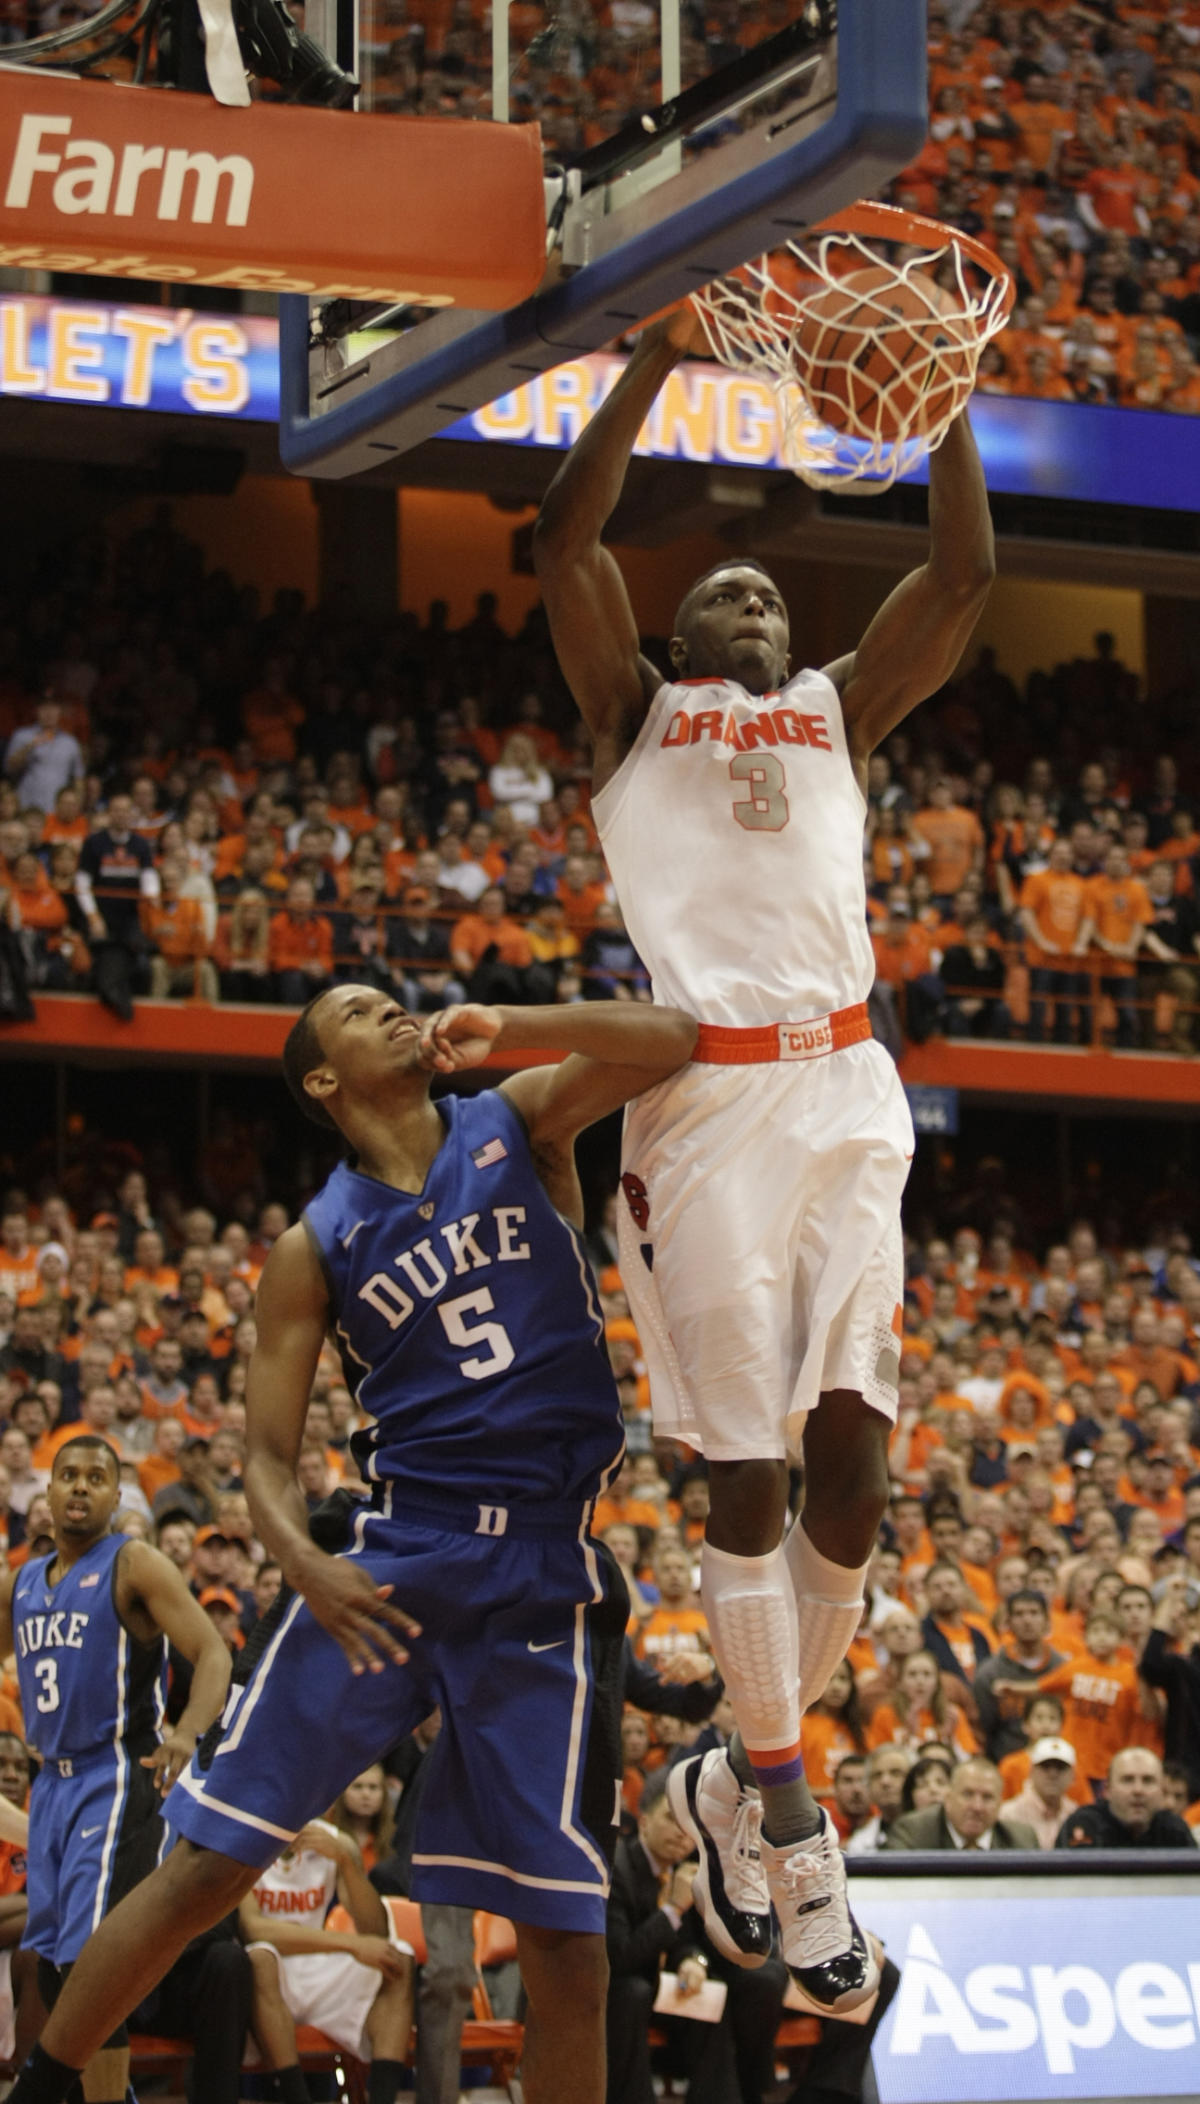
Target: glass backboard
x,y
677,143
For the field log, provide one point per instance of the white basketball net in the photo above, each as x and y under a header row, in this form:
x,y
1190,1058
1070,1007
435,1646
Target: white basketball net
x,y
768,320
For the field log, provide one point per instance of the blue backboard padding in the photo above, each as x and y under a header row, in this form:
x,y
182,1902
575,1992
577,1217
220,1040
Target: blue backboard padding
x,y
878,125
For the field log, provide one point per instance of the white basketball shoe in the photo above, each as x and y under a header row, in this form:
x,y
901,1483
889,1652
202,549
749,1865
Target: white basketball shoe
x,y
825,1950
725,1822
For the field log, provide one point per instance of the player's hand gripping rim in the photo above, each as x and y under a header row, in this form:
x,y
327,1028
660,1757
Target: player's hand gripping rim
x,y
357,1613
459,1037
681,325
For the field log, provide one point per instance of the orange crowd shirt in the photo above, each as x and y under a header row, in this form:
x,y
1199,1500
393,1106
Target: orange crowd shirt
x,y
472,935
19,1274
1101,1710
1058,904
824,1743
297,939
1118,905
672,1629
955,838
888,1728
176,928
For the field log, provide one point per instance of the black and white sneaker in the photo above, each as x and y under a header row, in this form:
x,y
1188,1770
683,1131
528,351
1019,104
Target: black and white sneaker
x,y
725,1822
826,1952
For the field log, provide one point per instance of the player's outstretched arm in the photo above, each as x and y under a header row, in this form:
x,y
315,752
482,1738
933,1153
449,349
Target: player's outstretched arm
x,y
587,605
291,1312
922,628
614,1049
149,1584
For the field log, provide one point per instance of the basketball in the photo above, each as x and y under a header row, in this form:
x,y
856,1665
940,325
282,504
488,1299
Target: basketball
x,y
880,357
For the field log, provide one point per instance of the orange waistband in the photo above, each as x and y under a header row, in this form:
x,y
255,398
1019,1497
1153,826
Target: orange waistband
x,y
718,1046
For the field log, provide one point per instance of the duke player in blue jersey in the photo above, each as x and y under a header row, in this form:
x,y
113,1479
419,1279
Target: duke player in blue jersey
x,y
90,1626
444,1257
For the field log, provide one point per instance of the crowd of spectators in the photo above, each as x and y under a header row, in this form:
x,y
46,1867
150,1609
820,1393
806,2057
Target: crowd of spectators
x,y
201,801
1066,136
289,801
1040,907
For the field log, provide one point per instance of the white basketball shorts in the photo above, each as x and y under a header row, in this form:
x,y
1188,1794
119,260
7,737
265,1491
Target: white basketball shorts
x,y
332,1991
760,1244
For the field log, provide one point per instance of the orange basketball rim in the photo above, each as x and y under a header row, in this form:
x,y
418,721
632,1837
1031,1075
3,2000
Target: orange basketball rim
x,y
869,330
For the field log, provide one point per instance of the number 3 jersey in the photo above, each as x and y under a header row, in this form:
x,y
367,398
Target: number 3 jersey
x,y
467,1321
86,1683
733,830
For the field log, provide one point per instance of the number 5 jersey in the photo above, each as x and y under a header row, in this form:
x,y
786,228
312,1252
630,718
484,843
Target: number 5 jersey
x,y
467,1321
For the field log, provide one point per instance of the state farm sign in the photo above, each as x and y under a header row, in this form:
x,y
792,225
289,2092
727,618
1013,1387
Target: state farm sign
x,y
135,182
84,175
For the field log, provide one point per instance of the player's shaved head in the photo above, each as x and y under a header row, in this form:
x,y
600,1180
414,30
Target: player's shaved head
x,y
89,1440
733,625
734,562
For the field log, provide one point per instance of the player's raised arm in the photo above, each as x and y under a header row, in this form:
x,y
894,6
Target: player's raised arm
x,y
149,1580
587,605
615,1050
291,1311
921,630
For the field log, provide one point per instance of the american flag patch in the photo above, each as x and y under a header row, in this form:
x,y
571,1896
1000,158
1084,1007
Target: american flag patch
x,y
93,1580
491,1152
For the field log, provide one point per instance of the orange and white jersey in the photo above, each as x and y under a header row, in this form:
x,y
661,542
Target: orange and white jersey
x,y
298,1886
733,832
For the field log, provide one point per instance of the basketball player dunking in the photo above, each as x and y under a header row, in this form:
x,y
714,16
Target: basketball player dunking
x,y
444,1257
760,1241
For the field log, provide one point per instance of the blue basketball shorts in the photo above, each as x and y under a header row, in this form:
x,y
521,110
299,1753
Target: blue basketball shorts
x,y
521,1651
95,1831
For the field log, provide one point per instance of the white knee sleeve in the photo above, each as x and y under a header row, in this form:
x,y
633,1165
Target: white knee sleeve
x,y
751,1610
829,1605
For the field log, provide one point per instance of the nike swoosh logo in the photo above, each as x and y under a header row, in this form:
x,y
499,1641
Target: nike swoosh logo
x,y
555,1646
86,1832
